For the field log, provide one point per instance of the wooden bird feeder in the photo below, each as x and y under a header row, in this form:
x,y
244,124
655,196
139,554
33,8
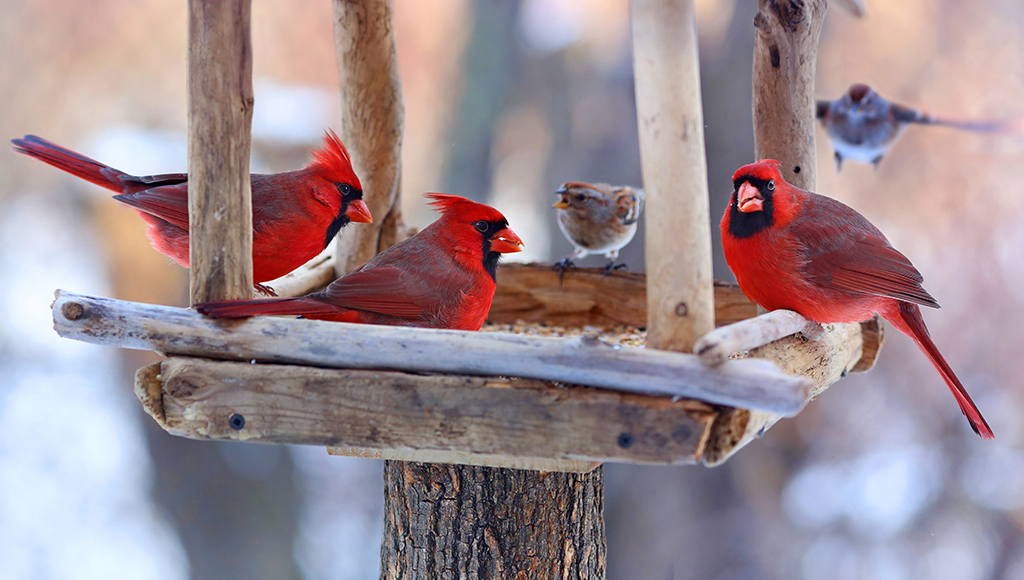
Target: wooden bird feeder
x,y
554,408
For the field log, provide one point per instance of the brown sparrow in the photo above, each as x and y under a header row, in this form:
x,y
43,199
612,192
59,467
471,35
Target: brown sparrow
x,y
597,219
862,125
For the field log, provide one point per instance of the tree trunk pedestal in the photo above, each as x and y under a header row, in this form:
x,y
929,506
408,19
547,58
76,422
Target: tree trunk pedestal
x,y
446,521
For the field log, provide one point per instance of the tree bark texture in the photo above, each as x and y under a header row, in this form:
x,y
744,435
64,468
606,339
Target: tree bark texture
x,y
372,121
785,58
457,521
220,103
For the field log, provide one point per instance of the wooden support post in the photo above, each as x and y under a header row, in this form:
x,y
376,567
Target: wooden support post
x,y
785,59
220,103
372,120
680,301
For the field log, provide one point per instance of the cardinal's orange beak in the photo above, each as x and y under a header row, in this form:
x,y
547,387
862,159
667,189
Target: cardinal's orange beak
x,y
358,212
505,241
748,198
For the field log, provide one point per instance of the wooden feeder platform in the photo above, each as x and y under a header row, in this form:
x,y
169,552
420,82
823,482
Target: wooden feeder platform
x,y
506,399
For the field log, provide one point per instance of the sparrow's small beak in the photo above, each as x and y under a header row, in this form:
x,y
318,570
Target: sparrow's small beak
x,y
358,212
505,241
748,198
563,202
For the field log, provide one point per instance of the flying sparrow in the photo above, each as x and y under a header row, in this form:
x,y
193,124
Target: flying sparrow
x,y
862,125
597,219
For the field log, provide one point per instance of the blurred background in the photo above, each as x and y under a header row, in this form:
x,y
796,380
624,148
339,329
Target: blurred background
x,y
505,100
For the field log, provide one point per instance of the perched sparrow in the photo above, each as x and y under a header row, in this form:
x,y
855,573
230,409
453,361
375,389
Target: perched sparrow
x,y
862,125
443,277
295,215
805,252
597,219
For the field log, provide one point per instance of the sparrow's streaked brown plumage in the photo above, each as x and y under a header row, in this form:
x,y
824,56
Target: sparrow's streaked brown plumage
x,y
862,125
597,218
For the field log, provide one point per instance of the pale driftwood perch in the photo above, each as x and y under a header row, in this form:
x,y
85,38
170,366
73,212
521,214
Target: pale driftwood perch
x,y
309,277
680,301
841,348
438,415
220,103
785,57
372,120
586,297
715,347
578,360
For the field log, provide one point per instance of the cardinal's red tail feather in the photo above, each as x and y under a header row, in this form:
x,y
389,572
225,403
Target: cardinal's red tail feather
x,y
268,306
911,317
67,160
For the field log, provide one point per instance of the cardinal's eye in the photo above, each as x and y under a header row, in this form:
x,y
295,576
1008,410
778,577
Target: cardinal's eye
x,y
481,226
771,185
344,188
581,197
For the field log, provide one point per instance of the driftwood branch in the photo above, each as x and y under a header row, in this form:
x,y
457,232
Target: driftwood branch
x,y
372,120
839,349
785,58
220,102
437,417
579,360
680,301
717,346
309,277
585,296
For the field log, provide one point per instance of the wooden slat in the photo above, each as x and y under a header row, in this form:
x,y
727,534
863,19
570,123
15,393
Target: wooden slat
x,y
785,59
680,300
220,102
474,416
372,121
469,458
585,297
583,359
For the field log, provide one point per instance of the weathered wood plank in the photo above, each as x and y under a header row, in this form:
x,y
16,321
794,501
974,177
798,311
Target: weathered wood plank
x,y
755,384
372,121
840,348
386,410
785,59
585,296
680,300
220,102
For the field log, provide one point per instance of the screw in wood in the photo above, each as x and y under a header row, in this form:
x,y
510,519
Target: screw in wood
x,y
236,422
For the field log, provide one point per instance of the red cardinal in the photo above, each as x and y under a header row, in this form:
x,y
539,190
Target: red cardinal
x,y
800,251
294,214
443,277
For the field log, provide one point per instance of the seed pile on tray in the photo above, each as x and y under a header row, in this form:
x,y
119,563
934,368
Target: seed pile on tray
x,y
621,335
